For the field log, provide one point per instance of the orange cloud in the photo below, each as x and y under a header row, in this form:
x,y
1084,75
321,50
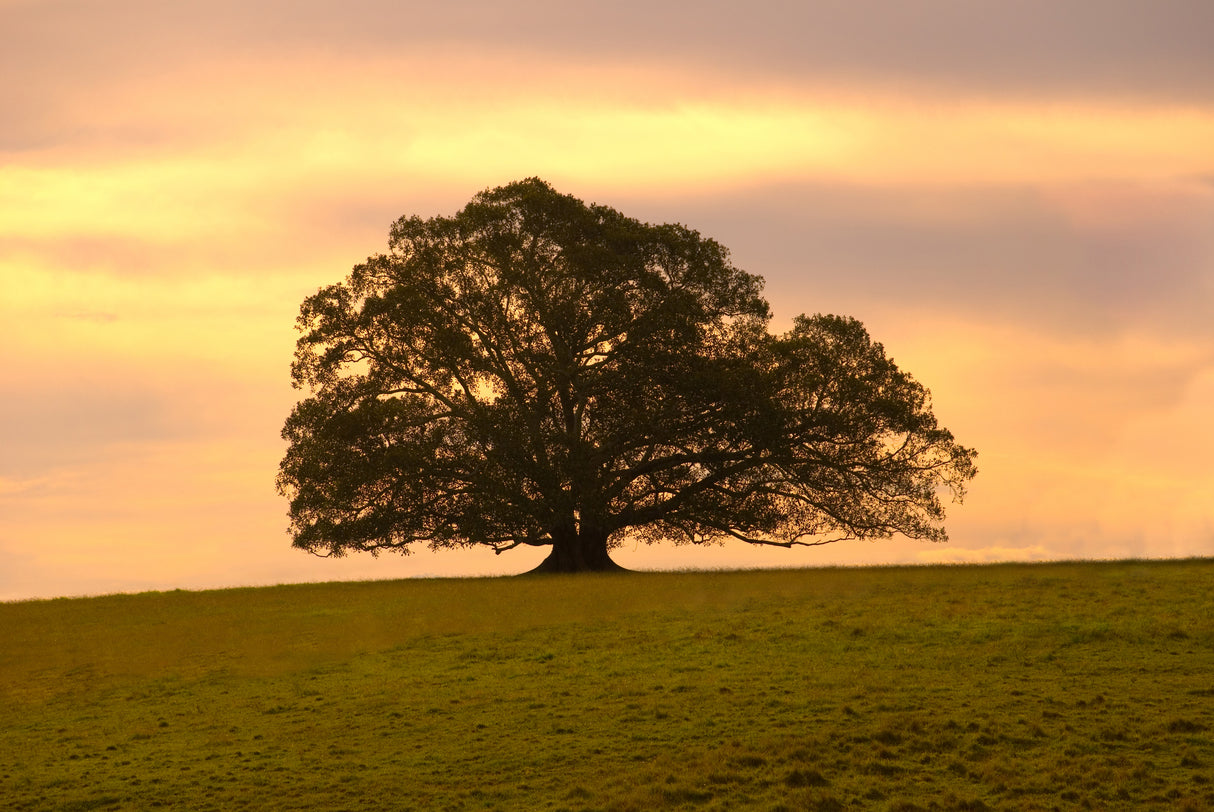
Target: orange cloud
x,y
221,170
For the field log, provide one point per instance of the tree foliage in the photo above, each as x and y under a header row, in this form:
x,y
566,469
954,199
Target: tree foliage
x,y
536,371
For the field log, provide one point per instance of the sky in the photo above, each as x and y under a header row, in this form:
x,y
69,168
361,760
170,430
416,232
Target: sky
x,y
1017,199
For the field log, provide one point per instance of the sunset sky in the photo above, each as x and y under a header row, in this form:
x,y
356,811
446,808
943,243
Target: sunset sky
x,y
1017,199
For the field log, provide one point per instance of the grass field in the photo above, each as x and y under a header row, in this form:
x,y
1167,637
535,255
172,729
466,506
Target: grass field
x,y
1050,686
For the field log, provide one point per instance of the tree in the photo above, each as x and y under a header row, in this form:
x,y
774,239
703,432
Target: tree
x,y
536,371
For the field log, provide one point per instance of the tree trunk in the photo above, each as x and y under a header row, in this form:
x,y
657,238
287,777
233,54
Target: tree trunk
x,y
578,551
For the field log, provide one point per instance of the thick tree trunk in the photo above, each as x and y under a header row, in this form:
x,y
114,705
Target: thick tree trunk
x,y
574,551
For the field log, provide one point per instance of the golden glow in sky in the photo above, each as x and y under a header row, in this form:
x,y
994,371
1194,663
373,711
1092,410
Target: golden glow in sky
x,y
1028,228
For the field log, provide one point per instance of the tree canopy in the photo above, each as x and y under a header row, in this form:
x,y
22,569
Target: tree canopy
x,y
537,371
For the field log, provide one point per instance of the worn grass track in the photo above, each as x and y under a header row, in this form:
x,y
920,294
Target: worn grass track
x,y
1053,686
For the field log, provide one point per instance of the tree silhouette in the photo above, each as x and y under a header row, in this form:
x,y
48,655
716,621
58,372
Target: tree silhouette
x,y
536,371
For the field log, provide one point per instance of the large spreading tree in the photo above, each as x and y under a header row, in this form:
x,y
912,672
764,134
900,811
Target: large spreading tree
x,y
536,371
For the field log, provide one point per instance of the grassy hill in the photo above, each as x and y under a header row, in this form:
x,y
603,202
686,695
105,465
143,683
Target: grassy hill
x,y
1049,686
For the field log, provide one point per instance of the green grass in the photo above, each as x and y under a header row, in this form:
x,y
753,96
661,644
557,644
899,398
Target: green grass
x,y
1059,686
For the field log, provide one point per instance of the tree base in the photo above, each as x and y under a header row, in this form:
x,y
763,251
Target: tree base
x,y
566,560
